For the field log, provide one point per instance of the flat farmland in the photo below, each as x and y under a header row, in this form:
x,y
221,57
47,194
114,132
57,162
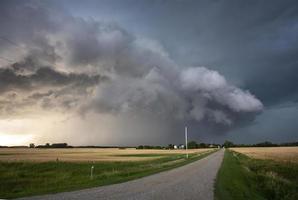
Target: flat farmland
x,y
88,154
27,172
283,154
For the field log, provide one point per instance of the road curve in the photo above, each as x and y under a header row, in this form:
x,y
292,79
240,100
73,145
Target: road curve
x,y
192,181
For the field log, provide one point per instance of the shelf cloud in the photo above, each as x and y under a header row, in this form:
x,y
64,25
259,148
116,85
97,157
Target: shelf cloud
x,y
94,70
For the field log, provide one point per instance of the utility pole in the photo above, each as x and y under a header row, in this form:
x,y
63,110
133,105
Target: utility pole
x,y
186,141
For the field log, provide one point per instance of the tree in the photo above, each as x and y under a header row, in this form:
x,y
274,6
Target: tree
x,y
192,145
266,144
59,145
31,145
228,144
203,145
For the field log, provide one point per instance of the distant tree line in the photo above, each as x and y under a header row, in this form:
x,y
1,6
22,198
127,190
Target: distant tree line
x,y
104,147
191,145
65,145
228,144
48,145
195,145
13,146
149,147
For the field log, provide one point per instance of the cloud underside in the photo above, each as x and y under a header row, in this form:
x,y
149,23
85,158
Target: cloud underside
x,y
67,64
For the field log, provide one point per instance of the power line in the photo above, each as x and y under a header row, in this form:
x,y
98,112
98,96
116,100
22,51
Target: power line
x,y
14,44
11,42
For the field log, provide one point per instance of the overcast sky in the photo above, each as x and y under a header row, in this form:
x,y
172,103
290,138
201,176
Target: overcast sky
x,y
129,72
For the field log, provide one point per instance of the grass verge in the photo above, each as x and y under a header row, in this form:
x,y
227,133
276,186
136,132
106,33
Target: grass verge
x,y
241,177
19,179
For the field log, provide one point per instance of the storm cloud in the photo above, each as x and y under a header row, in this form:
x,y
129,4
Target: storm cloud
x,y
212,75
44,88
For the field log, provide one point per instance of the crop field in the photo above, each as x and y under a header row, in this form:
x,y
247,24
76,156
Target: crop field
x,y
283,154
27,172
87,154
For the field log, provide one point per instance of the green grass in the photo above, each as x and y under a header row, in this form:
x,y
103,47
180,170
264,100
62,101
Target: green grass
x,y
241,177
19,179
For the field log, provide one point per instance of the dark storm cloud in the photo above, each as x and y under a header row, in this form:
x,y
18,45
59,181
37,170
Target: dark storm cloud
x,y
39,95
29,36
181,76
43,77
92,41
253,43
258,43
44,88
196,94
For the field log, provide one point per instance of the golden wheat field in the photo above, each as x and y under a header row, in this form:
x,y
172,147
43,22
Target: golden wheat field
x,y
285,154
87,154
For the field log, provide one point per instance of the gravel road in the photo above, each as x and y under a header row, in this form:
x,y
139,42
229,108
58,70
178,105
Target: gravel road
x,y
192,181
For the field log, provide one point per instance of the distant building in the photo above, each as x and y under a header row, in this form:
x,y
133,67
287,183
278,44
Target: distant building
x,y
180,146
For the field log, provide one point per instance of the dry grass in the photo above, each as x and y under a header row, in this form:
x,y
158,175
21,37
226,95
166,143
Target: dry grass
x,y
284,154
86,154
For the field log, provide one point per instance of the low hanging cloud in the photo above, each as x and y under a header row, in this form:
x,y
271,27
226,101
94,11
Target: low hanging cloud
x,y
87,66
43,88
197,94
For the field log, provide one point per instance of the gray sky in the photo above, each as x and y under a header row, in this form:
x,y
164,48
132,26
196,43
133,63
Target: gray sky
x,y
135,72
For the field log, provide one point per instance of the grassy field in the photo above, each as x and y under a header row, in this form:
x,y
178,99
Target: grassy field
x,y
243,177
25,178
